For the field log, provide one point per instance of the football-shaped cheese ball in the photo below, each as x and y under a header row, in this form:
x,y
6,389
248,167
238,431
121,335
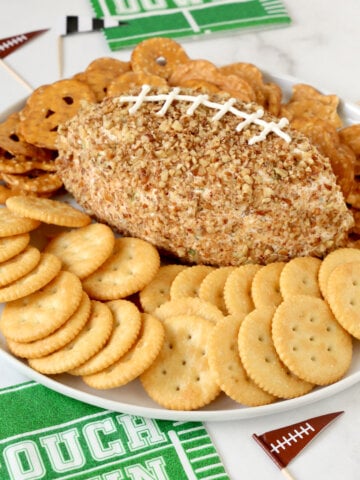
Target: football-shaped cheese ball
x,y
207,179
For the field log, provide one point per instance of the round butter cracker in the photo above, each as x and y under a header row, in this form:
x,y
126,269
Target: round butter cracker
x,y
212,287
180,377
138,359
12,245
265,288
157,291
226,365
46,269
131,266
127,323
83,250
332,260
343,291
310,341
47,210
237,290
187,282
13,223
260,359
300,277
189,306
18,266
41,313
87,343
61,337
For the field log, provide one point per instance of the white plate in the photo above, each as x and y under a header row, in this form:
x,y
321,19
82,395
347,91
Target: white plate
x,y
132,399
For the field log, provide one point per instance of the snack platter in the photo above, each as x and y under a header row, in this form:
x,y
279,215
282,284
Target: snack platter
x,y
132,398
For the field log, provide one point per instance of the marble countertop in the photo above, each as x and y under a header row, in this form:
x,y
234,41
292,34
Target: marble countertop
x,y
320,47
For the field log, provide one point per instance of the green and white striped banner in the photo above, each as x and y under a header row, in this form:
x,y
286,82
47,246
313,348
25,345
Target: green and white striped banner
x,y
45,435
182,18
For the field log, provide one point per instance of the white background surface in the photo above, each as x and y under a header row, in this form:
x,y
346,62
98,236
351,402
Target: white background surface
x,y
321,47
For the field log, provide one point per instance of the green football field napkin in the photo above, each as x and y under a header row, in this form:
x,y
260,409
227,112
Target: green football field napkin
x,y
143,19
45,435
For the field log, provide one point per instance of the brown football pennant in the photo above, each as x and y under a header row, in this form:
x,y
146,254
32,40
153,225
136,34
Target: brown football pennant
x,y
284,444
10,44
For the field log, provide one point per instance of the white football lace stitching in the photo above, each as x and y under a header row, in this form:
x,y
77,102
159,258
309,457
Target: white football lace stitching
x,y
291,438
222,109
12,42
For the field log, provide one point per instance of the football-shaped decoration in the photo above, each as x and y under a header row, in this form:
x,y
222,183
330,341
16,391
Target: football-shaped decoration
x,y
206,178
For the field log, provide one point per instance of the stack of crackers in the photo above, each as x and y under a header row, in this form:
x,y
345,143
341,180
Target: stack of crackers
x,y
108,310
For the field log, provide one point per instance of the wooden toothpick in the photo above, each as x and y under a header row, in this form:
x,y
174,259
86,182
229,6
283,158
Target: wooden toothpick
x,y
9,45
61,56
17,77
287,474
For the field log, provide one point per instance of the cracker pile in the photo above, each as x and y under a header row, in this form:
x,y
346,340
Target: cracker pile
x,y
106,309
28,138
65,309
109,310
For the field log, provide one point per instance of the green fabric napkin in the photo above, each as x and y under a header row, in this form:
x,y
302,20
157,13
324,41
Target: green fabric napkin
x,y
182,18
45,435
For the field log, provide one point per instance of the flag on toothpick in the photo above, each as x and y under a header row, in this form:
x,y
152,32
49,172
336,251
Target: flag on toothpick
x,y
83,24
72,24
284,444
10,44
